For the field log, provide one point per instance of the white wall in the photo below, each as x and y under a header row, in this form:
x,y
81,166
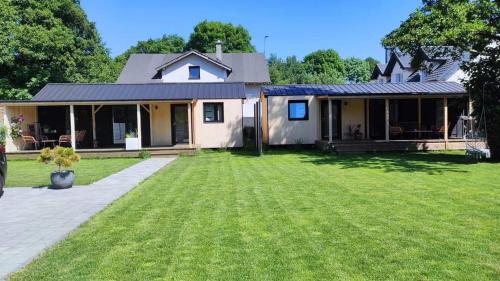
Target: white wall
x,y
398,70
283,131
179,71
458,76
252,93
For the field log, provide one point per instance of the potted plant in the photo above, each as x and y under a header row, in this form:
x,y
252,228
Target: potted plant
x,y
131,141
62,157
15,126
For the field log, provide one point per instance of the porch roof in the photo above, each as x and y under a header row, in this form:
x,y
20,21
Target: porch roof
x,y
76,92
367,89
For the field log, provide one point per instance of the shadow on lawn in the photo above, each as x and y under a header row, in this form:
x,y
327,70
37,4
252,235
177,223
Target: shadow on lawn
x,y
430,163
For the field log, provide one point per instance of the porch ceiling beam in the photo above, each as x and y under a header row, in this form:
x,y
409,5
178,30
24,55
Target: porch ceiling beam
x,y
145,108
97,110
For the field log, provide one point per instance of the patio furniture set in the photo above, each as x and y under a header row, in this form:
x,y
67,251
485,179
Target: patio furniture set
x,y
415,133
43,141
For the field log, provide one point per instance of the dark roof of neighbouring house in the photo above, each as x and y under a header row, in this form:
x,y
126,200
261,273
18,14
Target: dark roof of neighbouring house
x,y
245,67
366,89
138,92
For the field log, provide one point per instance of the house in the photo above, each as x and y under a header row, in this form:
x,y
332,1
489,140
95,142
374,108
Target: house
x,y
402,109
438,64
191,99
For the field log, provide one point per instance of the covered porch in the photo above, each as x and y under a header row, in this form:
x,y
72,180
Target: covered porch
x,y
102,126
402,119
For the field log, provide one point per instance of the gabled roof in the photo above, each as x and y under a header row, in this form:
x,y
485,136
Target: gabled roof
x,y
367,89
378,70
246,67
77,92
191,53
444,71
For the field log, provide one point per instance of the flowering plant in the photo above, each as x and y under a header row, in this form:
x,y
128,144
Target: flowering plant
x,y
15,126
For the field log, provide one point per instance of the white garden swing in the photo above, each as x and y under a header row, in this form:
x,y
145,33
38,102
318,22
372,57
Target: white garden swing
x,y
476,135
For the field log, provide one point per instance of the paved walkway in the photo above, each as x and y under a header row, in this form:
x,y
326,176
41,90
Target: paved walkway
x,y
32,220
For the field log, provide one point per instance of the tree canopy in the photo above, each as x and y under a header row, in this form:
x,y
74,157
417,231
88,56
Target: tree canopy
x,y
235,39
165,44
48,41
472,26
357,70
320,67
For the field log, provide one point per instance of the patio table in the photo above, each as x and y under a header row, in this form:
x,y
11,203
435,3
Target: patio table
x,y
52,143
418,133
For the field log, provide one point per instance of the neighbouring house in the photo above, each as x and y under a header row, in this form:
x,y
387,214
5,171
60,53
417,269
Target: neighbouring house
x,y
192,99
437,64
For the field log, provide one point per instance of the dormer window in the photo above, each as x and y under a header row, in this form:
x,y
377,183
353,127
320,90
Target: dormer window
x,y
194,73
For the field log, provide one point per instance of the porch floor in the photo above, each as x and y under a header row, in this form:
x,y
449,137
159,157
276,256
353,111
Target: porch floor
x,y
114,152
394,145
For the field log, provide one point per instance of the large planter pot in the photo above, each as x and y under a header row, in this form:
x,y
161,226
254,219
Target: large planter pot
x,y
62,179
131,143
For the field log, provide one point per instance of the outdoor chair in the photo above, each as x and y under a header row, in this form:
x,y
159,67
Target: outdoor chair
x,y
65,140
396,131
80,137
30,141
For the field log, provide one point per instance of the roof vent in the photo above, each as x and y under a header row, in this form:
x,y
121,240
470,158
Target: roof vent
x,y
218,50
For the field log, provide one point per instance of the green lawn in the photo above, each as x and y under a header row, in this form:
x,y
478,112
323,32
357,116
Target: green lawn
x,y
29,173
293,216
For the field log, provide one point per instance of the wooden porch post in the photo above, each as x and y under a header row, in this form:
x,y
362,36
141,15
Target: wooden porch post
x,y
139,127
72,125
419,114
330,121
445,103
387,125
190,124
94,135
367,119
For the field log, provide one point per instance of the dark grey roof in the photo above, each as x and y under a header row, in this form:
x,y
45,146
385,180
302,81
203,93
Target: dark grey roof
x,y
405,88
139,92
444,71
379,69
246,67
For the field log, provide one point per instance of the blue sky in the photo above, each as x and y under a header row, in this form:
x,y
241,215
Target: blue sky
x,y
352,27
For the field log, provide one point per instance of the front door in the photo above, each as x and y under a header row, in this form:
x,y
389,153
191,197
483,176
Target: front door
x,y
336,120
180,132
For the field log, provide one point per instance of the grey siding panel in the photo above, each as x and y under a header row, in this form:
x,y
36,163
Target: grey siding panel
x,y
139,92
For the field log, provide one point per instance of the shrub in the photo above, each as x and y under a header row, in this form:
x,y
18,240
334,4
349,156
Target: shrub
x,y
144,154
3,135
62,157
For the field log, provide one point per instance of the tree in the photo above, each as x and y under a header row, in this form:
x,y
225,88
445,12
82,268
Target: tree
x,y
357,71
165,44
472,26
288,71
48,41
372,63
326,66
235,39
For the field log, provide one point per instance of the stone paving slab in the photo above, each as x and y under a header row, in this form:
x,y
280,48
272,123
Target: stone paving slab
x,y
33,219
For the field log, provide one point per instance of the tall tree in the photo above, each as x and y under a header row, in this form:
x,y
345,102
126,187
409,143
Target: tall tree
x,y
326,65
48,41
470,25
288,71
163,45
372,63
235,39
357,70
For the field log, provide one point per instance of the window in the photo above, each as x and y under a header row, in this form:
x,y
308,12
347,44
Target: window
x,y
398,78
298,110
194,72
213,112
